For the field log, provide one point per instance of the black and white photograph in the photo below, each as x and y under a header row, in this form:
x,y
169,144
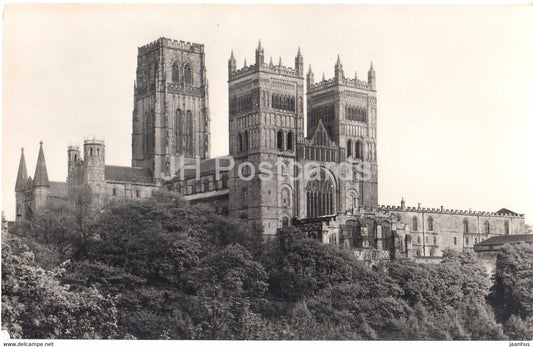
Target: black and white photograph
x,y
267,172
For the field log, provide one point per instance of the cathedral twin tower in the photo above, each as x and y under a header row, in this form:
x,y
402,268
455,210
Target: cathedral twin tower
x,y
266,124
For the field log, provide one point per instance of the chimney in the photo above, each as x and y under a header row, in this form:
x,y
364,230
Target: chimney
x,y
402,203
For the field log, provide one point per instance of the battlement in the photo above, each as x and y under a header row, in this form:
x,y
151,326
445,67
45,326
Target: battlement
x,y
447,211
275,69
348,82
93,141
73,148
170,43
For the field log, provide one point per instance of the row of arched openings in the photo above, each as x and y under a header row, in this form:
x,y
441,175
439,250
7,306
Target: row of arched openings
x,y
182,74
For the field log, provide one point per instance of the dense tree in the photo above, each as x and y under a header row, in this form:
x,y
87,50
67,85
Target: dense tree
x,y
512,292
36,305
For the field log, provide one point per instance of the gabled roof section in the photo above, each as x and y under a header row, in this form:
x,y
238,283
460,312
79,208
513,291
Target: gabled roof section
x,y
506,211
40,179
59,189
127,174
22,175
504,239
319,136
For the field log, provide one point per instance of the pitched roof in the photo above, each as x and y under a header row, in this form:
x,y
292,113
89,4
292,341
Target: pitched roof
x,y
206,166
503,239
127,174
506,211
22,175
40,179
59,189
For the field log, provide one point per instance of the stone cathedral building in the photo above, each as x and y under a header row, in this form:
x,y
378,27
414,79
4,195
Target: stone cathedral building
x,y
316,182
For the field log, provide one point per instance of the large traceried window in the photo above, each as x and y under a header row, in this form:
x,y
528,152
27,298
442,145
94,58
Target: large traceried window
x,y
320,194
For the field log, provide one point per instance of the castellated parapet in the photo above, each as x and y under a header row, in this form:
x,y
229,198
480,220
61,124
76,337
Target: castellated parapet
x,y
169,43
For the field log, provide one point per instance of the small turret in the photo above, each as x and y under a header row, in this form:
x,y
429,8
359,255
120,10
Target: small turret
x,y
73,156
339,73
245,65
259,55
280,64
299,63
310,78
22,175
232,65
372,77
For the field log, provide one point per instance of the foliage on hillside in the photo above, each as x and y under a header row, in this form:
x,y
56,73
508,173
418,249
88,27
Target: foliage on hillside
x,y
163,269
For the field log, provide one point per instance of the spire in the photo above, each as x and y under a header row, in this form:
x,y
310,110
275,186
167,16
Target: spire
x,y
372,77
22,175
339,73
40,179
259,55
279,61
310,70
232,57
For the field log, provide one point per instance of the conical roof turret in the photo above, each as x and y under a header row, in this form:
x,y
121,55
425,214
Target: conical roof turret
x,y
40,179
22,175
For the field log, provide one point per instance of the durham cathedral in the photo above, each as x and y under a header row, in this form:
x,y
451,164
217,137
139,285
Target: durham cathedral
x,y
171,124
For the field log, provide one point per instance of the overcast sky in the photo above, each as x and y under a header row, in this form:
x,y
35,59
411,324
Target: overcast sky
x,y
455,86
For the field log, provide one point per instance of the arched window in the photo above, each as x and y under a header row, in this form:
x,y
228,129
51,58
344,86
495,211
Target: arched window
x,y
188,134
175,72
280,140
351,201
349,148
289,140
245,141
205,187
430,223
178,130
240,143
285,222
187,75
358,150
415,224
224,181
487,226
244,197
506,226
320,195
465,226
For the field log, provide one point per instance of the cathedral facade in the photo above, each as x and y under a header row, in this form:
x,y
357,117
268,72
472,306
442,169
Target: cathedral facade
x,y
324,183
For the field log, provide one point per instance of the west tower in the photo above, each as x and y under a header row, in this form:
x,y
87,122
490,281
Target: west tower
x,y
348,110
171,113
265,123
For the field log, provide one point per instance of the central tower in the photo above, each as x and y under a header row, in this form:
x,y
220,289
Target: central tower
x,y
171,113
265,123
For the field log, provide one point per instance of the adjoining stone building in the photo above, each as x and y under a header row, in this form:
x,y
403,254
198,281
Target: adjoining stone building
x,y
170,125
